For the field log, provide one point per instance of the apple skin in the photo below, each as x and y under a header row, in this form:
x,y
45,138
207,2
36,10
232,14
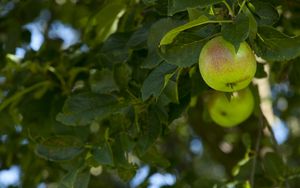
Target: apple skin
x,y
225,70
230,112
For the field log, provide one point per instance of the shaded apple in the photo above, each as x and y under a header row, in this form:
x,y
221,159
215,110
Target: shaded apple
x,y
224,69
229,112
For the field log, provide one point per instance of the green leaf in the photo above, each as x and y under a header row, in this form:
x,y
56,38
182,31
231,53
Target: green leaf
x,y
151,130
156,32
194,13
273,165
236,32
75,179
155,158
122,75
83,108
120,154
59,148
68,180
170,36
182,55
126,174
103,155
171,91
181,5
103,81
82,180
149,2
104,22
127,143
115,50
267,14
139,38
156,81
252,23
273,45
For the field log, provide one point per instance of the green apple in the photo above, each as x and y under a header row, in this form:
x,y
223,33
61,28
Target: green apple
x,y
229,112
224,69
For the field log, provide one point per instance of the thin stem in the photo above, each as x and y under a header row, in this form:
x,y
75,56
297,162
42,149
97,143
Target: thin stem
x,y
19,94
272,135
229,8
257,146
242,6
212,10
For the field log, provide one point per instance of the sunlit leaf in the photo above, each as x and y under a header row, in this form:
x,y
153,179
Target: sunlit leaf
x,y
170,36
104,22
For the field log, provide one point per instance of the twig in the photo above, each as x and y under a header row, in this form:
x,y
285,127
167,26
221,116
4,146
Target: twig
x,y
231,13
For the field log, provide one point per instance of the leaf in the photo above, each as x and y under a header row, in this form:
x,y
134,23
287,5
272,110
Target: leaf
x,y
273,165
156,33
273,45
115,49
181,5
155,158
127,143
103,81
252,23
170,36
82,180
156,81
267,14
104,22
59,148
149,2
83,108
68,180
151,130
138,39
171,91
182,55
122,75
236,32
194,13
120,154
103,155
126,174
75,179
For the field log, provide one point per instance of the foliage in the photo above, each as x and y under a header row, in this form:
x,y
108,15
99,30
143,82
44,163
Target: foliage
x,y
127,92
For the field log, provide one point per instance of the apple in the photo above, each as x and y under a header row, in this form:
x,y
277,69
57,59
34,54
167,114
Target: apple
x,y
229,112
224,69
